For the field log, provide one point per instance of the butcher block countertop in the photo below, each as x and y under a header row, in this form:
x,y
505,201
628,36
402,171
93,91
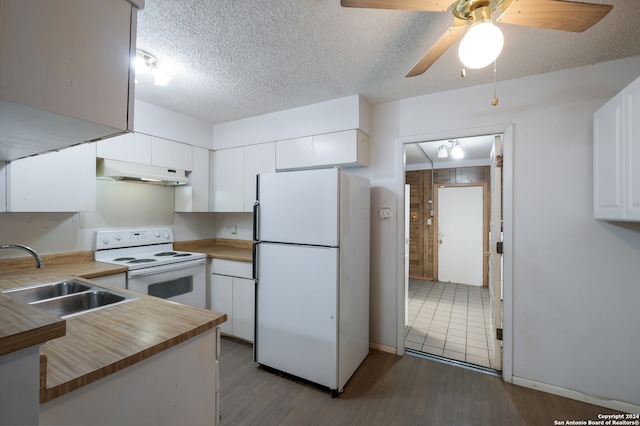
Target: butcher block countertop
x,y
219,248
98,343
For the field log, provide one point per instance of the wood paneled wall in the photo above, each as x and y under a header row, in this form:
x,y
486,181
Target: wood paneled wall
x,y
422,235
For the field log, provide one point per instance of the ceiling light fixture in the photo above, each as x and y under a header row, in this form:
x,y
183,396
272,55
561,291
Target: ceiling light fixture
x,y
455,148
481,45
145,62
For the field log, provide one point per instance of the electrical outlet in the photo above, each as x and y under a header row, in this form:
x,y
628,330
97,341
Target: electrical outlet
x,y
384,213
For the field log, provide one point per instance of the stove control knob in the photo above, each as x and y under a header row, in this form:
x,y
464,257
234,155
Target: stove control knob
x,y
105,240
166,236
117,237
157,235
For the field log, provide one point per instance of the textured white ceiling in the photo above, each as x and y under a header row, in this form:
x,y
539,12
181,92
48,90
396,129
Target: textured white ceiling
x,y
232,59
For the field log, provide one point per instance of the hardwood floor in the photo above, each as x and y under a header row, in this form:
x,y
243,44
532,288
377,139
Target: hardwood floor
x,y
385,390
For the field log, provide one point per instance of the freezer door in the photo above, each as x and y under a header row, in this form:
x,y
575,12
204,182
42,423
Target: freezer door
x,y
296,311
299,207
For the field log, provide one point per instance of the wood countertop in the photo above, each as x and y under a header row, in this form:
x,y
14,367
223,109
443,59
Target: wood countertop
x,y
24,326
98,343
219,248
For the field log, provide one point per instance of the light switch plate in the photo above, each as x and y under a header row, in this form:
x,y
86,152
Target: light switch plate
x,y
384,213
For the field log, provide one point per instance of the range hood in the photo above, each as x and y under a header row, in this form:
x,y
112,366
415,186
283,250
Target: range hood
x,y
133,172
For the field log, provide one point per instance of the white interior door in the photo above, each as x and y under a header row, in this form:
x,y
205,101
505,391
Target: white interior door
x,y
460,250
495,258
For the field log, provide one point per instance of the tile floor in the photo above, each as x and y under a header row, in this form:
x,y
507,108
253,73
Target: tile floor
x,y
450,320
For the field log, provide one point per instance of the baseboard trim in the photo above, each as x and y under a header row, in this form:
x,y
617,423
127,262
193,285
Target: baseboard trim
x,y
622,406
383,348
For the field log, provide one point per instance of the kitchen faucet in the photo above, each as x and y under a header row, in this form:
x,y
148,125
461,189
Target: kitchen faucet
x,y
31,251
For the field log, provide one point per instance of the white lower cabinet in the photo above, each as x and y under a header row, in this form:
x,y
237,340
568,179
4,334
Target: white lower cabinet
x,y
177,386
232,291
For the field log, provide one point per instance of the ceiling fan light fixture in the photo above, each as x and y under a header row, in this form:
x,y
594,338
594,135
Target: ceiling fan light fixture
x,y
481,45
442,152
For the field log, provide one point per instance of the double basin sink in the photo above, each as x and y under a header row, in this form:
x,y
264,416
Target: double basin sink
x,y
69,297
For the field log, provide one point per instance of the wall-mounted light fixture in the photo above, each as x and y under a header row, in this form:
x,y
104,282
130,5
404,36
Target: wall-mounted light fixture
x,y
455,148
146,62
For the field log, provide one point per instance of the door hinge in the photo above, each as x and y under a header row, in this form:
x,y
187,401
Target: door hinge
x,y
498,334
498,160
499,247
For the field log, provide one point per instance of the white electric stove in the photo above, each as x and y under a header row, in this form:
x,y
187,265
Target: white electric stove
x,y
154,267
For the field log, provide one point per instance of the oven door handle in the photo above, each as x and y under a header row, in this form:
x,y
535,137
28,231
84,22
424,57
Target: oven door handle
x,y
166,268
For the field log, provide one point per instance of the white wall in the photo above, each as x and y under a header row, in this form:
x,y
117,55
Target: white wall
x,y
575,286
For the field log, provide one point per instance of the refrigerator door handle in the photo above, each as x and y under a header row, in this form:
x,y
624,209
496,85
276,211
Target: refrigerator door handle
x,y
254,254
256,213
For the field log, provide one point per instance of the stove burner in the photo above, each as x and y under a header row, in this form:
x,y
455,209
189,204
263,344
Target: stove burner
x,y
165,253
122,259
141,260
182,254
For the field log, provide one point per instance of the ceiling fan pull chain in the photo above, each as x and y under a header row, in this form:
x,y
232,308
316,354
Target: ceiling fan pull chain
x,y
495,101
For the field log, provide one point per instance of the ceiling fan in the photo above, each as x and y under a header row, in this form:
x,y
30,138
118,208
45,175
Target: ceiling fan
x,y
469,14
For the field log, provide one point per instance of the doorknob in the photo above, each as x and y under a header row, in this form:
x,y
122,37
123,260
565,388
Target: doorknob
x,y
440,241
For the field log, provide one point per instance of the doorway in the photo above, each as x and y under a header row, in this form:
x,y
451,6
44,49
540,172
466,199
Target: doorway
x,y
449,305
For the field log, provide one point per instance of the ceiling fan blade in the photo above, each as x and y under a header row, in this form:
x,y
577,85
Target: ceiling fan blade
x,y
422,5
553,14
443,43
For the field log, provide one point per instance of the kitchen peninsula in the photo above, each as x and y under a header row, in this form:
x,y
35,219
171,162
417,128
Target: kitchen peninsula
x,y
147,359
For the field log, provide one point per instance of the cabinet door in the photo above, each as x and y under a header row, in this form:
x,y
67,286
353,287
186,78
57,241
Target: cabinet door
x,y
133,147
64,65
228,180
194,197
607,161
63,181
632,150
294,153
257,159
244,293
167,153
221,300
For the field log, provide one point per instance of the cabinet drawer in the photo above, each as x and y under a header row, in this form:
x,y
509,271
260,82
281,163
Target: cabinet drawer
x,y
232,268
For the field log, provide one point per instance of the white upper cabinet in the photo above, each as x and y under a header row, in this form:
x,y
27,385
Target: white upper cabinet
x,y
65,73
294,153
63,181
257,159
616,167
166,153
234,173
227,183
133,147
145,149
349,148
194,197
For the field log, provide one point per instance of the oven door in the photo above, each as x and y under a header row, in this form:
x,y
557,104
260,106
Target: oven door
x,y
183,282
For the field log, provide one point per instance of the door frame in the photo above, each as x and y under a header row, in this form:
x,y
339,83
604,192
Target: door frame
x,y
507,202
485,225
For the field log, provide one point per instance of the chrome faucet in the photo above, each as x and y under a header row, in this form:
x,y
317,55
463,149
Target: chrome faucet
x,y
31,251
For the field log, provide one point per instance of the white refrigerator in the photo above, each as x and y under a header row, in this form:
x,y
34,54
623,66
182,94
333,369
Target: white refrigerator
x,y
311,265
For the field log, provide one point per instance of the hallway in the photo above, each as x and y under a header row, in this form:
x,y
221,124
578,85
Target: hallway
x,y
450,320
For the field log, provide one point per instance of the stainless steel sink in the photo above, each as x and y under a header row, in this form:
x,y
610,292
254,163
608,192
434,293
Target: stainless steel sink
x,y
47,291
69,298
